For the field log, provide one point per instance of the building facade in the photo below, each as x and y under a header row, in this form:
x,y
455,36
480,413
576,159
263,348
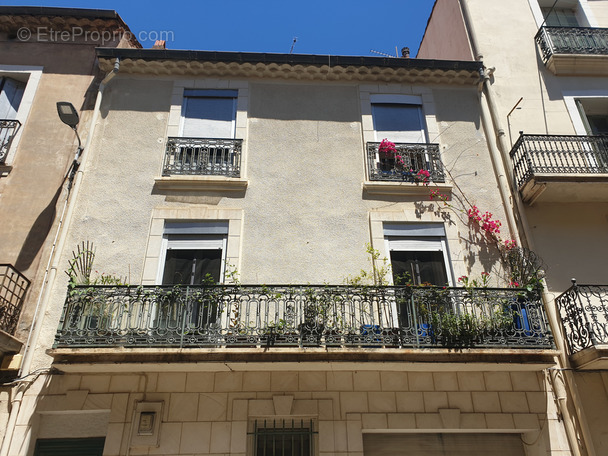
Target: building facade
x,y
547,93
296,253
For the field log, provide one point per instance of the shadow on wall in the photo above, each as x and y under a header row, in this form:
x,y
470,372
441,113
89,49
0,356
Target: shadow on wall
x,y
38,233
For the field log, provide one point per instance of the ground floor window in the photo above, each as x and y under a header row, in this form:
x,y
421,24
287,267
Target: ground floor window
x,y
66,447
282,437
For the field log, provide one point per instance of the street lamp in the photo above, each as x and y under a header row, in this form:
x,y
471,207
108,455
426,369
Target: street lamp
x,y
69,116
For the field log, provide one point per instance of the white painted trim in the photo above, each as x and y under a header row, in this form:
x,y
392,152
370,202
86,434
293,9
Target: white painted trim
x,y
33,73
569,100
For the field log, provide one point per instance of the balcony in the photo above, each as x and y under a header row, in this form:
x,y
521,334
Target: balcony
x,y
394,322
561,168
13,287
202,163
386,176
579,51
584,314
8,130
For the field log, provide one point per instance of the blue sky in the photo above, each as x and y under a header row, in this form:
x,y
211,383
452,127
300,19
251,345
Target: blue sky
x,y
338,27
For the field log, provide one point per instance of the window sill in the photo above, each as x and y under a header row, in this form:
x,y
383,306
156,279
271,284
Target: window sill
x,y
194,183
404,188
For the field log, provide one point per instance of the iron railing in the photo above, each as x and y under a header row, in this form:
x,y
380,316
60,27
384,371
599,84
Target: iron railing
x,y
572,40
306,315
203,156
13,286
416,157
8,129
552,154
285,437
584,313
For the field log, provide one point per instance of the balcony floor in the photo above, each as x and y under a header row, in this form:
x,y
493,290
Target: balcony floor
x,y
573,188
175,359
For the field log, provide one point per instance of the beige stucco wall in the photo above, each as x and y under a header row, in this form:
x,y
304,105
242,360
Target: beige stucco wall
x,y
208,412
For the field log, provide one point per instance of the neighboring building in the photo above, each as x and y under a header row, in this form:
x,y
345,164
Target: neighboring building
x,y
548,95
46,55
262,177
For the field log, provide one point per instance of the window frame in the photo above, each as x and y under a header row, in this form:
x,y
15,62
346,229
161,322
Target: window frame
x,y
407,100
210,94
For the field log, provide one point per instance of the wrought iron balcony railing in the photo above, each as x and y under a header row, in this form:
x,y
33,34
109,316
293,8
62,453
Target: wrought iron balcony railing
x,y
8,129
226,316
416,157
551,154
572,40
13,286
203,156
584,313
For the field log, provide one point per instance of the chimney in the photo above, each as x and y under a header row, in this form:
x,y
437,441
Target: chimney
x,y
405,53
159,44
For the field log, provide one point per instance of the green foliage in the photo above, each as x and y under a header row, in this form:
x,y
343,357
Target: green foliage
x,y
378,276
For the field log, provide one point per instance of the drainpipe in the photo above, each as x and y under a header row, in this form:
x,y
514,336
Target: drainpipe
x,y
51,273
488,90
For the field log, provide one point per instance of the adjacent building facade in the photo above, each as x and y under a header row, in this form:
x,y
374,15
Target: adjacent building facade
x,y
549,100
46,55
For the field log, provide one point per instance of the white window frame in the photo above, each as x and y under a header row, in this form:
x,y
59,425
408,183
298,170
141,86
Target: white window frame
x,y
31,76
412,100
203,242
583,13
418,241
210,93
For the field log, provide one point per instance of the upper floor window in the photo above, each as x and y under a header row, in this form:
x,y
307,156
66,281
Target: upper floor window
x,y
559,17
11,93
398,118
418,253
209,113
594,114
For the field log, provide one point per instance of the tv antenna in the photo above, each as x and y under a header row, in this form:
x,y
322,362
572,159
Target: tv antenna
x,y
382,53
295,38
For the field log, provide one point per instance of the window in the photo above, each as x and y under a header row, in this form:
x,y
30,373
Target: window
x,y
398,118
209,113
193,253
283,437
11,93
418,253
62,447
559,17
594,115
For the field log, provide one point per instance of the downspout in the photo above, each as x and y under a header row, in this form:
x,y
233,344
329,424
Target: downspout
x,y
489,98
51,271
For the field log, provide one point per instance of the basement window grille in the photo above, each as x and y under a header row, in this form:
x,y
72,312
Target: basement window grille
x,y
283,437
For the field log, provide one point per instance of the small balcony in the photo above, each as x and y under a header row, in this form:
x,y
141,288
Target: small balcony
x,y
8,130
203,157
574,50
549,168
584,314
13,287
416,157
341,321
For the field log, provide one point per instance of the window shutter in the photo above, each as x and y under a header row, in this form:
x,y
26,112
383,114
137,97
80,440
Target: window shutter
x,y
11,93
209,114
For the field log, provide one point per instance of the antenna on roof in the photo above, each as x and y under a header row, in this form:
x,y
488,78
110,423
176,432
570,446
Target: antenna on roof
x,y
295,38
382,53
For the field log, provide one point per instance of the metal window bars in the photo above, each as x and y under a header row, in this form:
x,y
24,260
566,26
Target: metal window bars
x,y
282,437
203,156
416,157
224,316
571,40
558,154
13,287
8,129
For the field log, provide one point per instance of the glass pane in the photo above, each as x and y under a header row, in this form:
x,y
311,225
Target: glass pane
x,y
418,267
208,117
396,117
191,266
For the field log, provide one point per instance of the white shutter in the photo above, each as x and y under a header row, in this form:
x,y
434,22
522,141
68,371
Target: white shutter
x,y
400,123
208,117
10,97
